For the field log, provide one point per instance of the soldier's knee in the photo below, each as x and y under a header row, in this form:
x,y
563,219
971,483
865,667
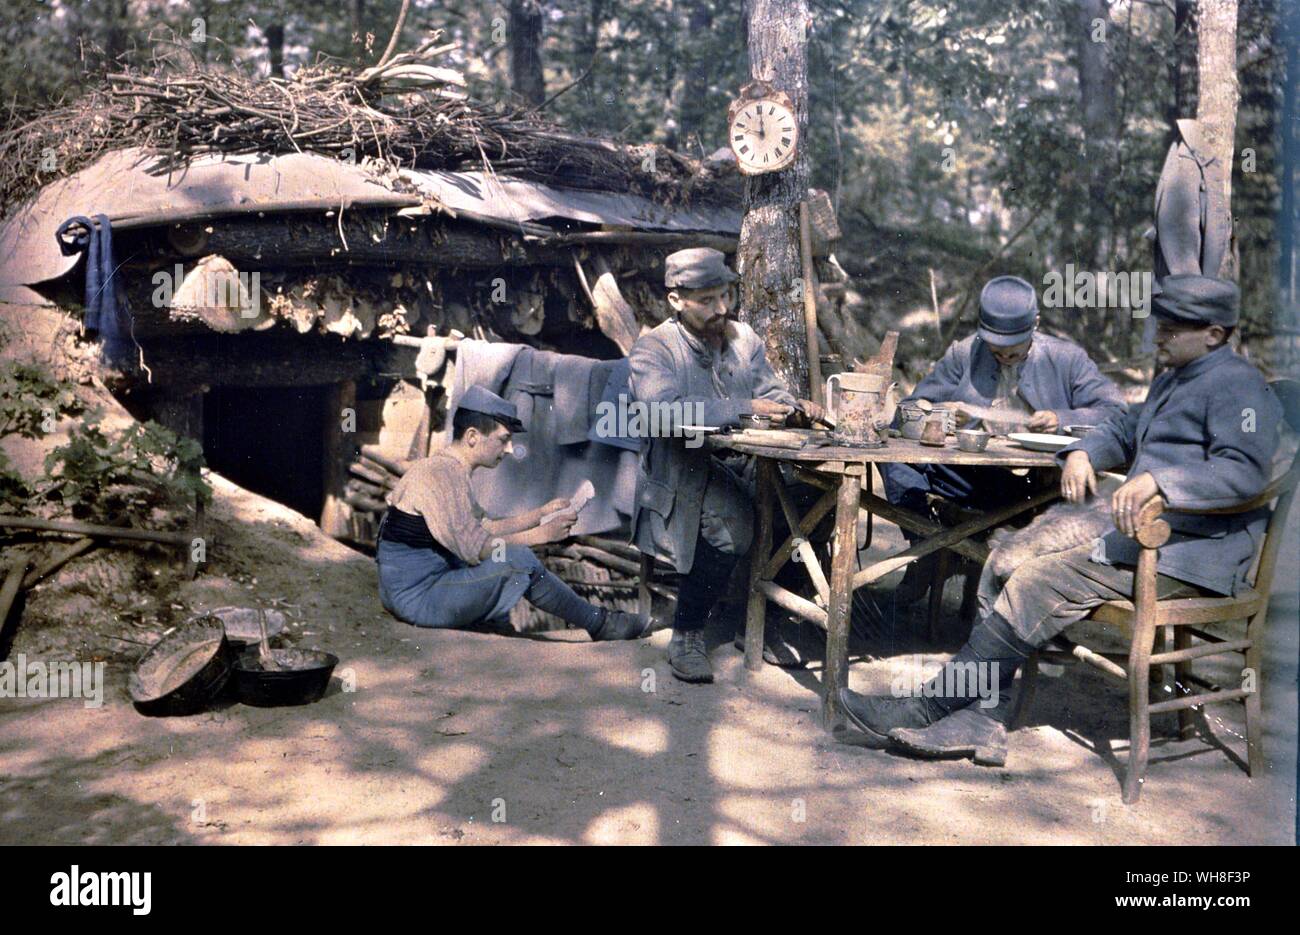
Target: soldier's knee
x,y
522,558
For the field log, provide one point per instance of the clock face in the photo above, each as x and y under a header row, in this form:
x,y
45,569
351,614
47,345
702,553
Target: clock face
x,y
763,135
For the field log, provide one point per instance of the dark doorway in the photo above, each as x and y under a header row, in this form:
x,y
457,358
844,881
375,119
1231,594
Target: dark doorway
x,y
270,440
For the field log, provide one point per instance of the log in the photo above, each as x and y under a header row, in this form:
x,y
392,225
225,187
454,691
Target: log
x,y
9,590
57,561
394,466
356,485
364,503
607,559
361,470
371,464
617,318
89,529
314,241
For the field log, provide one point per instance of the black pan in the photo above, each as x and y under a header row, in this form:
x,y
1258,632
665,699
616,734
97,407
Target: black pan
x,y
184,671
302,678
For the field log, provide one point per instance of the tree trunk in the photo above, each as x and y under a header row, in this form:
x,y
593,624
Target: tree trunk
x,y
691,112
275,46
1290,162
1100,116
1216,108
525,36
1182,66
768,257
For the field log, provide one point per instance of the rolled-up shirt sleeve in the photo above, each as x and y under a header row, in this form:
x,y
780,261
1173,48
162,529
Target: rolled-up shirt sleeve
x,y
439,491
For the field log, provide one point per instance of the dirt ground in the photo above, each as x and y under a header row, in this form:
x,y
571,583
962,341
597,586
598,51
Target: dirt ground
x,y
485,739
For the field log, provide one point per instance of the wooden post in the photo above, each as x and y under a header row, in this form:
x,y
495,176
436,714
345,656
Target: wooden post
x,y
756,612
340,445
810,306
843,558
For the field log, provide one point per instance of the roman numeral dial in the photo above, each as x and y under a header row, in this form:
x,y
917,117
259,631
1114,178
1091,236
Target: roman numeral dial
x,y
763,134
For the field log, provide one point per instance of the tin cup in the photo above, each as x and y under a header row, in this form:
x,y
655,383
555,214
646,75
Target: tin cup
x,y
972,440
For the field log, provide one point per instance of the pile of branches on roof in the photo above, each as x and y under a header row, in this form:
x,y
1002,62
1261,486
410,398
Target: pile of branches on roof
x,y
407,111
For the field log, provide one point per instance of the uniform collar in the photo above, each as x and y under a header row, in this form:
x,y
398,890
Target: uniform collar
x,y
1203,363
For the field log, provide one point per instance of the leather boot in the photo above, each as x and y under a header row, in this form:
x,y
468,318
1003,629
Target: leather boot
x,y
617,625
966,732
688,655
872,717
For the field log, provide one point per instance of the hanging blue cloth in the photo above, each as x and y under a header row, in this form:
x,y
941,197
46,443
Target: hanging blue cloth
x,y
106,316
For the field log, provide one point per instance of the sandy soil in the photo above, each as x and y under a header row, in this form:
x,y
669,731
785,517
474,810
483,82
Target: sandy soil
x,y
473,738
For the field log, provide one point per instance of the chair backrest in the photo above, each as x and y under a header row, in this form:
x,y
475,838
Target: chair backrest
x,y
1282,487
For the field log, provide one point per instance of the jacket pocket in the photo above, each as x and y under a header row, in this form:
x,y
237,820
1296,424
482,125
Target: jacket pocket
x,y
657,497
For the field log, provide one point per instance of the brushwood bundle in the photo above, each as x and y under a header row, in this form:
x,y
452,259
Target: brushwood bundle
x,y
407,112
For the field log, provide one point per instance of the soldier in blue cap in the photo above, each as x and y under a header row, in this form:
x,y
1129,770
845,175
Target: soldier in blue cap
x,y
692,510
444,563
1204,439
1043,382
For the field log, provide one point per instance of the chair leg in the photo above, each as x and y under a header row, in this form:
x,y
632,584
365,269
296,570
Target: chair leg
x,y
1254,708
1139,677
1028,685
942,572
1186,720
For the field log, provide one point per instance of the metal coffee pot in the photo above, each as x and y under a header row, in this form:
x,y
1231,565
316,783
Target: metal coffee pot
x,y
861,406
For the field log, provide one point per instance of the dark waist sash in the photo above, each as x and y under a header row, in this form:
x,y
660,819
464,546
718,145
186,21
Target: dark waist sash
x,y
411,529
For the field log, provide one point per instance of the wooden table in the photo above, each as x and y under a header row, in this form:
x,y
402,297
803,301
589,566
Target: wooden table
x,y
840,473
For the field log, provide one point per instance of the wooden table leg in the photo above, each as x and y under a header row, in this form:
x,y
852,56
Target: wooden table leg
x,y
756,614
843,560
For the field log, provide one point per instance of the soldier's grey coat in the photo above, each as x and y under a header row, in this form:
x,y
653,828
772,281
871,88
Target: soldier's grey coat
x,y
1207,434
1058,375
669,366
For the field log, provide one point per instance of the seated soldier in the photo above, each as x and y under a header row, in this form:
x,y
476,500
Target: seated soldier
x,y
1204,438
1044,383
442,563
693,510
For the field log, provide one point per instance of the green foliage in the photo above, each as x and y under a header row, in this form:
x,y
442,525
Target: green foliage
x,y
128,475
15,493
31,400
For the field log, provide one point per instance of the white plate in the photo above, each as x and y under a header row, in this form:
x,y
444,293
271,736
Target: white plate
x,y
1036,441
701,428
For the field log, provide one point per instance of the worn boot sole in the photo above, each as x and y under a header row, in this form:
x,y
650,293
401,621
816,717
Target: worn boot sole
x,y
982,755
696,678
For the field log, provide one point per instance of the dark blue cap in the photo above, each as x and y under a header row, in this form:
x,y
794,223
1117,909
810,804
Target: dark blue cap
x,y
477,399
1008,311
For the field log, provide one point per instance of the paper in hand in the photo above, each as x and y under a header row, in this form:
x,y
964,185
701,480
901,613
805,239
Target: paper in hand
x,y
581,497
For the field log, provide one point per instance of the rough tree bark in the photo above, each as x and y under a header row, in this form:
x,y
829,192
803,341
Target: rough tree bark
x,y
1100,116
1287,260
525,37
768,256
1182,66
1216,108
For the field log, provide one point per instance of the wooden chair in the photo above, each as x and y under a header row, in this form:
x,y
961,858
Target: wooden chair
x,y
1186,617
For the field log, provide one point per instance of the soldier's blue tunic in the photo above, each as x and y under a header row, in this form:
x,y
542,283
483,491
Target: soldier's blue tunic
x,y
1057,375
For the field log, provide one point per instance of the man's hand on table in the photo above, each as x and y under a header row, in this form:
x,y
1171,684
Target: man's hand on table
x,y
1044,420
811,412
767,407
1128,500
1077,478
